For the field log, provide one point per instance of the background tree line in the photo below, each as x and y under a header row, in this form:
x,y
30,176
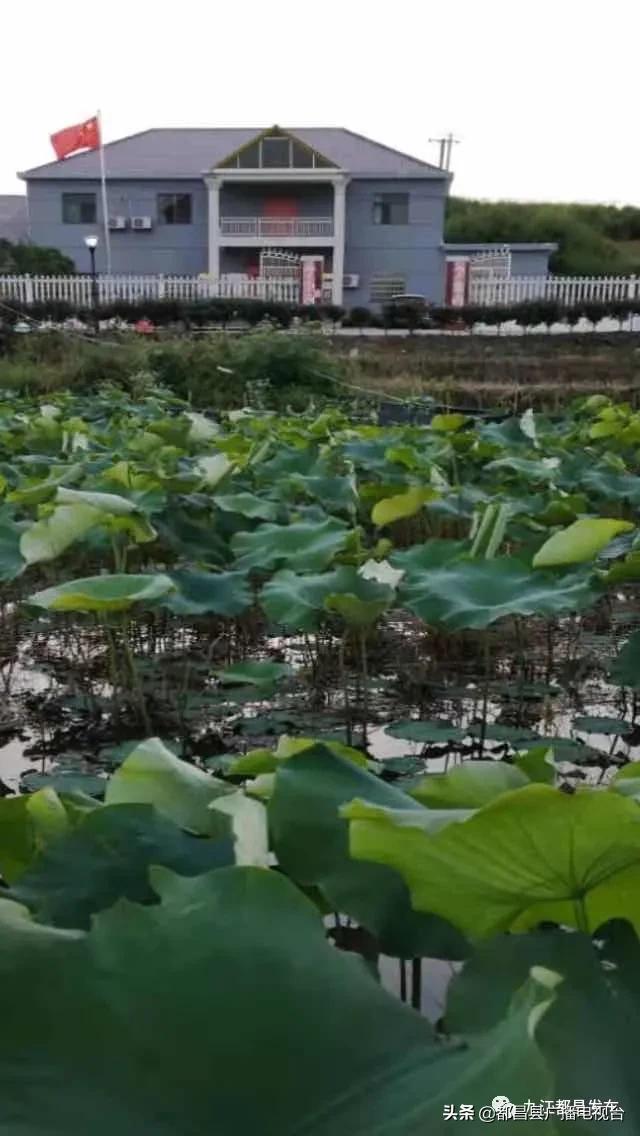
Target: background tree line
x,y
593,239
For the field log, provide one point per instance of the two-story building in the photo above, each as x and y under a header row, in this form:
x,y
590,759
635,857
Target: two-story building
x,y
224,201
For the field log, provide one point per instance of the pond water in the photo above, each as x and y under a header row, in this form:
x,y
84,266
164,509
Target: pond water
x,y
57,710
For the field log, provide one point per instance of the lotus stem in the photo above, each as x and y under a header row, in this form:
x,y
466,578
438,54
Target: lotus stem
x,y
135,677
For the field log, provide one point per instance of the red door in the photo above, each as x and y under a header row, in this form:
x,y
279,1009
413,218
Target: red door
x,y
281,207
279,211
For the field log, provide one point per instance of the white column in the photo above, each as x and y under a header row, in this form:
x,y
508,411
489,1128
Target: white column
x,y
339,189
213,185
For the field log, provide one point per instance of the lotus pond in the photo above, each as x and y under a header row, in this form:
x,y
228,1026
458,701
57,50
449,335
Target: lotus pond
x,y
276,686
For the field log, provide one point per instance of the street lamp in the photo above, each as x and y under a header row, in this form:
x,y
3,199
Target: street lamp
x,y
92,244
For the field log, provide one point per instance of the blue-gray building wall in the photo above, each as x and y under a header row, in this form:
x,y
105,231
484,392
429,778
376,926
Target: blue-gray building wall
x,y
169,249
413,252
530,263
527,259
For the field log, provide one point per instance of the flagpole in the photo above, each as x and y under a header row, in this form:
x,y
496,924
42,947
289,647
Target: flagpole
x,y
105,213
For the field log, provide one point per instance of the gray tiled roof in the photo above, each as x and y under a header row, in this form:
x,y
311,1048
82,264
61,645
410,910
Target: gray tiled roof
x,y
14,220
186,153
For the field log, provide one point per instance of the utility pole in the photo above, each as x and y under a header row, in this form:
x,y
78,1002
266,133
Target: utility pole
x,y
446,145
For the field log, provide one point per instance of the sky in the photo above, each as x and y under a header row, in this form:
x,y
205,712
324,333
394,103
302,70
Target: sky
x,y
543,96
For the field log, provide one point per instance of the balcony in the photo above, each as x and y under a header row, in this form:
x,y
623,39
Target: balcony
x,y
277,228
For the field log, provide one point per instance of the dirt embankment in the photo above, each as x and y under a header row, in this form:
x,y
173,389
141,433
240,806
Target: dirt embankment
x,y
540,370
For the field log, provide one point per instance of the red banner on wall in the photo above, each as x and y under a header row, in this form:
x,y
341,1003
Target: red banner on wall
x,y
457,283
312,272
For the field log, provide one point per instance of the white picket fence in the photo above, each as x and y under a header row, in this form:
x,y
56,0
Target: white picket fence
x,y
77,290
567,290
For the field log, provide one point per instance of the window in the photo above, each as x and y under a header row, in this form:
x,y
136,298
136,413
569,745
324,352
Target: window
x,y
249,158
301,156
174,208
391,209
78,208
384,287
276,153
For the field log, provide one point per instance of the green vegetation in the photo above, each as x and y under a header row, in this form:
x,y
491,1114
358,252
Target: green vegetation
x,y
594,240
33,259
169,918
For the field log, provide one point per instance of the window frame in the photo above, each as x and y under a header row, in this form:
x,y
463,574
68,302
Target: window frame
x,y
73,198
171,199
385,202
296,149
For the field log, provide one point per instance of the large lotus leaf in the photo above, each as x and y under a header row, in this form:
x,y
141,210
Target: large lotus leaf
x,y
249,828
27,824
153,775
198,593
624,571
625,668
601,724
247,505
107,856
304,546
611,485
358,599
136,526
569,749
500,732
435,731
105,502
468,786
533,855
534,471
253,763
65,780
11,561
310,840
254,672
103,593
580,542
289,747
337,494
48,538
212,468
627,782
591,1033
537,764
288,460
38,491
160,996
402,505
202,429
130,476
448,423
295,601
370,453
476,593
193,537
433,554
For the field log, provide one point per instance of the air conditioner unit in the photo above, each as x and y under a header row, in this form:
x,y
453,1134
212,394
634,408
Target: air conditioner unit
x,y
141,222
117,222
351,281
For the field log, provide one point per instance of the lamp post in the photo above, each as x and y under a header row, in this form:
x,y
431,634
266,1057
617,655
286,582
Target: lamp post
x,y
92,244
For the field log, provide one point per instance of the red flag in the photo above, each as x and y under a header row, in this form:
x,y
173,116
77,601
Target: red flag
x,y
84,136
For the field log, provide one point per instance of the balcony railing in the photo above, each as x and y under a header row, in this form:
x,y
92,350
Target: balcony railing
x,y
274,227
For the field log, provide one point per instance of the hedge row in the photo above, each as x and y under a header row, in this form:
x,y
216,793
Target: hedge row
x,y
201,313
